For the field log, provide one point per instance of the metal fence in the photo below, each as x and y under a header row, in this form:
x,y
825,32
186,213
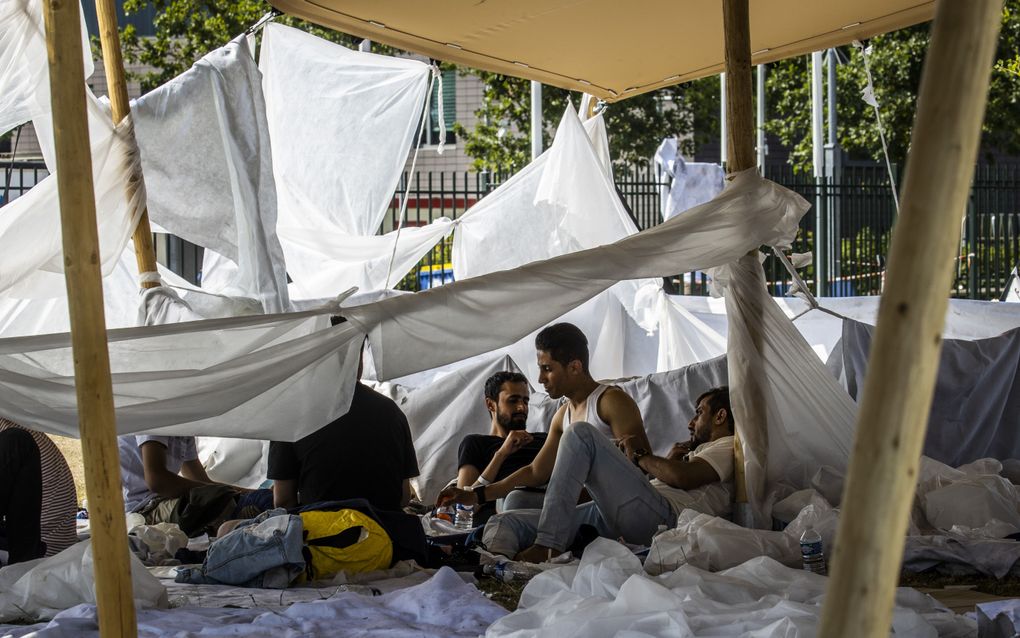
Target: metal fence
x,y
857,220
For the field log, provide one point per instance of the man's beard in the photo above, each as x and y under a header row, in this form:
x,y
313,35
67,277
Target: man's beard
x,y
512,422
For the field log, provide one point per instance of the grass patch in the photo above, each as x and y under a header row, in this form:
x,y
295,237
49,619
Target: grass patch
x,y
507,595
71,449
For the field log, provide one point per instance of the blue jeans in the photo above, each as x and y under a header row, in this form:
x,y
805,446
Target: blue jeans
x,y
623,503
263,552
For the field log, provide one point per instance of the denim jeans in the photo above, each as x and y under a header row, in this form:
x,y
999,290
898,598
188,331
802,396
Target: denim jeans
x,y
263,552
624,504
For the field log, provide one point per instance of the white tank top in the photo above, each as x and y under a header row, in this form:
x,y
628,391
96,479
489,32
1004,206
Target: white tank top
x,y
591,414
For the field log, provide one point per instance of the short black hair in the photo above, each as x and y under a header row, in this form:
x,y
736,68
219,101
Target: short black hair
x,y
564,342
494,383
718,399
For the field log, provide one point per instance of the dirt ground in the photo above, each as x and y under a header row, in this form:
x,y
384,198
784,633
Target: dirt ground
x,y
71,449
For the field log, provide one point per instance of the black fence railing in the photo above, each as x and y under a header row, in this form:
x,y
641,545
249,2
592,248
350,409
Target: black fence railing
x,y
857,219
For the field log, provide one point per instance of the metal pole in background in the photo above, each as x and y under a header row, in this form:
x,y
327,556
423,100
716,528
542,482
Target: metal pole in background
x,y
818,164
831,162
762,149
536,119
724,136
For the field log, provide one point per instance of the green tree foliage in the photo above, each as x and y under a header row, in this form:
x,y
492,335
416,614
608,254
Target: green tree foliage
x,y
501,139
185,30
897,60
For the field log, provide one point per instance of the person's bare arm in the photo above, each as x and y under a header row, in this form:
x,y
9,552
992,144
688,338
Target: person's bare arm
x,y
617,409
285,493
533,475
468,475
158,478
685,475
195,471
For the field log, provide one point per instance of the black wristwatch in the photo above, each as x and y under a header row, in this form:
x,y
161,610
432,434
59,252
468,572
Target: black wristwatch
x,y
636,456
480,494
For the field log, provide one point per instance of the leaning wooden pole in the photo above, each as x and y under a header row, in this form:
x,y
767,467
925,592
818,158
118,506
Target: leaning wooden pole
x,y
113,62
904,356
748,403
88,323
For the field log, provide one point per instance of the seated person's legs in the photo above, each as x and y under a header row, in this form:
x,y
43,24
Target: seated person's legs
x,y
509,533
21,495
523,499
627,503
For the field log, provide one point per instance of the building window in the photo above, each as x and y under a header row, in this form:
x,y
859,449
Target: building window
x,y
430,136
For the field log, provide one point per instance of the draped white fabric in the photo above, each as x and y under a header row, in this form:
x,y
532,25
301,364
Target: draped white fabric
x,y
805,419
560,203
31,264
24,73
272,377
208,165
749,213
342,123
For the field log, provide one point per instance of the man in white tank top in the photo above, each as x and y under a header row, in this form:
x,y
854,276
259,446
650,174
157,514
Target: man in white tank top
x,y
562,351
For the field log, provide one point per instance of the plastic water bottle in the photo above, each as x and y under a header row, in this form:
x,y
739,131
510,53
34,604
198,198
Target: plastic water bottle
x,y
465,517
811,551
503,571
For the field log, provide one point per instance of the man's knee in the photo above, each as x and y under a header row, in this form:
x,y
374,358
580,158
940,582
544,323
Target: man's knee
x,y
581,431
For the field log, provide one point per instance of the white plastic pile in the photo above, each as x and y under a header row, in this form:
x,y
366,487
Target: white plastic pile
x,y
609,594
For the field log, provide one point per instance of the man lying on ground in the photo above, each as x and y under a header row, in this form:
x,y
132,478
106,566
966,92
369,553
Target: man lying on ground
x,y
624,502
485,458
38,503
165,482
605,411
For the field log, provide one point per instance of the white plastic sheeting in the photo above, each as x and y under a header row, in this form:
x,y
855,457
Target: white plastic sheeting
x,y
444,605
208,166
608,594
808,417
269,377
560,203
338,153
977,392
31,264
685,184
749,213
39,589
24,73
342,123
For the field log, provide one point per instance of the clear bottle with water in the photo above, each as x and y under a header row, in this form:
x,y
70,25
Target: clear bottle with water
x,y
503,571
811,551
465,517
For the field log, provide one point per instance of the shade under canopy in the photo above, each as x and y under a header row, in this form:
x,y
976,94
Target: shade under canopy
x,y
608,48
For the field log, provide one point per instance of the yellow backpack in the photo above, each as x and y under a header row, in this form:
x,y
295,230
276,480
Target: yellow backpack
x,y
344,540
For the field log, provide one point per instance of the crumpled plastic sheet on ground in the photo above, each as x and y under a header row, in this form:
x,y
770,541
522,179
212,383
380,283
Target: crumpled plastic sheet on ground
x,y
41,588
608,594
442,606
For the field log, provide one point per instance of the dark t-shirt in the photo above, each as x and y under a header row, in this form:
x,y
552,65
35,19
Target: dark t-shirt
x,y
478,450
367,453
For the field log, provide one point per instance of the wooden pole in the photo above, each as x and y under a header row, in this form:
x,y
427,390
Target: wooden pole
x,y
113,62
905,351
749,404
88,325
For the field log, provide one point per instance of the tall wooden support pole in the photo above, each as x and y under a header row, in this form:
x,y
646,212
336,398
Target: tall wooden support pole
x,y
88,324
748,404
905,350
113,62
